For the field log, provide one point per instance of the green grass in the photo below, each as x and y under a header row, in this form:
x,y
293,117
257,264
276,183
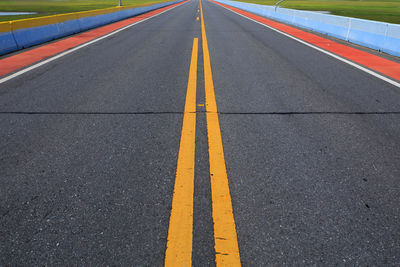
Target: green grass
x,y
52,7
383,10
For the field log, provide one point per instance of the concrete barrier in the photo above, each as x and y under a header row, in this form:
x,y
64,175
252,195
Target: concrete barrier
x,y
380,36
368,33
7,41
392,42
68,24
28,32
24,33
95,18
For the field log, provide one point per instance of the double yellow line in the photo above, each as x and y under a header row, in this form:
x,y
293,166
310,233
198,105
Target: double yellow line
x,y
179,244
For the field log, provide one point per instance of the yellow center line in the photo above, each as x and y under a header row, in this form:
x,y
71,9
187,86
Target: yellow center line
x,y
226,244
179,243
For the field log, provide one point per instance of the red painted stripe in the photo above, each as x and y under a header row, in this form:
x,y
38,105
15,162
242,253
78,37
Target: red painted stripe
x,y
373,62
24,59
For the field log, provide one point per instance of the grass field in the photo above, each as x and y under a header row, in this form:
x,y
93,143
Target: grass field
x,y
51,7
383,10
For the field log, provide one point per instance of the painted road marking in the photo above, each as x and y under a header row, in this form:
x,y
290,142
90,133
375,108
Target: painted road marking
x,y
226,244
381,65
179,243
6,63
197,18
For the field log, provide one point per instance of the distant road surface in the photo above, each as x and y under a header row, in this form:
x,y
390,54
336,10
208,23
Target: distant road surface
x,y
120,153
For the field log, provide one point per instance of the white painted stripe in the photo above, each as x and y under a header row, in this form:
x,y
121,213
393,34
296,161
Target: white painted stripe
x,y
37,65
377,75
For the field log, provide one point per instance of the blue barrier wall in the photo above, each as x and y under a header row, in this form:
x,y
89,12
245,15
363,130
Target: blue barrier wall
x,y
32,36
392,42
69,27
7,41
380,36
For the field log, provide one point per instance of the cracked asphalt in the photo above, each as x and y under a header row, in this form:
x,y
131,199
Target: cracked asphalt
x,y
89,148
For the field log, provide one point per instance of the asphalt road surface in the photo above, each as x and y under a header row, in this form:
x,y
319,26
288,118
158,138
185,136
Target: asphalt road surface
x,y
90,144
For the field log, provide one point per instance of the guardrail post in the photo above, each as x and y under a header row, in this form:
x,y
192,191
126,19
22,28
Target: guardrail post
x,y
277,4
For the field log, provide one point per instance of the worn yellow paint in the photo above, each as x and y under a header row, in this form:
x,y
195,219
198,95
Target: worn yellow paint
x,y
46,20
5,26
33,22
201,105
179,244
226,244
